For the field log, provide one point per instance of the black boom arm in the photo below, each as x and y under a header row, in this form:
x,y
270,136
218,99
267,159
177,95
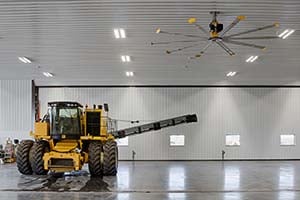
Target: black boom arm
x,y
155,126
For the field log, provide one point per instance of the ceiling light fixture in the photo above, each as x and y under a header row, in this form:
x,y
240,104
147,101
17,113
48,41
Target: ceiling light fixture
x,y
286,33
119,33
25,60
254,58
231,74
122,33
48,74
129,74
125,58
251,59
283,33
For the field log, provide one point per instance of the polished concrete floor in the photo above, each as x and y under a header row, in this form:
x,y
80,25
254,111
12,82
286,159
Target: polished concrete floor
x,y
230,180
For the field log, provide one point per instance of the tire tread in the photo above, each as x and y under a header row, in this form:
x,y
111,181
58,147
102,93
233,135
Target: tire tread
x,y
23,158
95,165
110,167
37,152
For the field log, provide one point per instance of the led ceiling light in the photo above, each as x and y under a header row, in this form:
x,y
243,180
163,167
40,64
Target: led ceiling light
x,y
231,74
48,74
251,59
125,58
283,33
25,60
119,33
129,74
122,33
286,33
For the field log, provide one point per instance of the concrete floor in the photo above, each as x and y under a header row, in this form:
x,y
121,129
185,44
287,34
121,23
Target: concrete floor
x,y
229,180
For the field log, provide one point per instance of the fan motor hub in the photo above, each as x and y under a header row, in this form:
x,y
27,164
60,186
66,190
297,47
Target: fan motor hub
x,y
215,38
215,27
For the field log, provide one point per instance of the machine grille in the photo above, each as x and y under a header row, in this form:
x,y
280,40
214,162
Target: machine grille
x,y
93,123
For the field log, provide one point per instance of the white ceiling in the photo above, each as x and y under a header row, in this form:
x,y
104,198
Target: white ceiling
x,y
74,40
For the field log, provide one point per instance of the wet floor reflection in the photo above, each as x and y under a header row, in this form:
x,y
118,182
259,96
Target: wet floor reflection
x,y
286,181
285,195
79,181
286,177
232,196
123,196
231,182
123,182
237,180
232,178
176,179
176,182
176,196
123,178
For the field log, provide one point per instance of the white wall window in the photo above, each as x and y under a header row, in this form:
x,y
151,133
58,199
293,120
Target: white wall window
x,y
176,140
232,140
287,139
122,141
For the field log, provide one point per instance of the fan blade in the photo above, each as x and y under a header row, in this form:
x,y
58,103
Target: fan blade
x,y
180,49
245,44
193,21
252,38
176,41
158,31
230,26
202,51
226,48
254,30
202,29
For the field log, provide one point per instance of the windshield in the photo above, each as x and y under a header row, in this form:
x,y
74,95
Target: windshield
x,y
65,120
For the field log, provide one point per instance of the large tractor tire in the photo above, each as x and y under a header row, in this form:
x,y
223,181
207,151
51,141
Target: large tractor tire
x,y
95,160
37,152
110,160
23,160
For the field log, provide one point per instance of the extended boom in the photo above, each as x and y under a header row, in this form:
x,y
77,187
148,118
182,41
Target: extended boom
x,y
155,126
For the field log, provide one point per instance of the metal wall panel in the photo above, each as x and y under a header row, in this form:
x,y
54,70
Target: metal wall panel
x,y
15,109
259,115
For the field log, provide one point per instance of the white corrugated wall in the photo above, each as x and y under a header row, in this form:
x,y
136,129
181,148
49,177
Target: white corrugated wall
x,y
259,115
15,109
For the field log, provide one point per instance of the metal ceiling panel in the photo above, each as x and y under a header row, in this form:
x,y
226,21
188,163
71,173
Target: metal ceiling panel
x,y
74,40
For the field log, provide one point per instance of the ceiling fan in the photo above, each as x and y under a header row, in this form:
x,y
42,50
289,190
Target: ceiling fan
x,y
218,35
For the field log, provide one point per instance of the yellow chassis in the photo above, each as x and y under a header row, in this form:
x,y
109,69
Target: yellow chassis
x,y
64,150
78,161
